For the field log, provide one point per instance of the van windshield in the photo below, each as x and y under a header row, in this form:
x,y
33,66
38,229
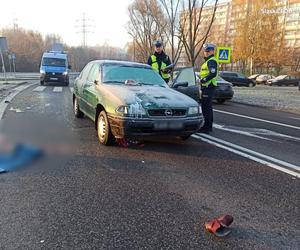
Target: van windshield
x,y
57,62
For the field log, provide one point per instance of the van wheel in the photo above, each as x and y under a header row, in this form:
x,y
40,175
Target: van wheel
x,y
105,135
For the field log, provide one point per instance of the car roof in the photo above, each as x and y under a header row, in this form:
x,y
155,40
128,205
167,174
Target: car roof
x,y
230,72
123,63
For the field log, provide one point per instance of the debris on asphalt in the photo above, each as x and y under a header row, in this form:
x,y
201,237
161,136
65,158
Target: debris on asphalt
x,y
42,241
143,161
6,101
21,155
16,110
127,143
220,226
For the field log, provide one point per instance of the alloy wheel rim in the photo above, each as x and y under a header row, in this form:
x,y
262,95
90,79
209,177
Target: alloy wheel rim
x,y
101,127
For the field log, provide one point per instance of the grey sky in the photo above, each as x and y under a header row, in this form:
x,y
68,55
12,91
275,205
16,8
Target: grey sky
x,y
59,16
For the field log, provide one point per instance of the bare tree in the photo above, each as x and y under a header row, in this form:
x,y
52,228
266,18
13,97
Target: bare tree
x,y
170,27
195,28
143,26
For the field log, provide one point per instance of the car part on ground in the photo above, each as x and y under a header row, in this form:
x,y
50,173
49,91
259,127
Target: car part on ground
x,y
237,79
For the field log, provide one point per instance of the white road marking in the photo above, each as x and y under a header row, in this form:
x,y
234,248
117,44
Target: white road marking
x,y
258,119
5,102
57,89
39,89
238,131
238,150
295,118
254,132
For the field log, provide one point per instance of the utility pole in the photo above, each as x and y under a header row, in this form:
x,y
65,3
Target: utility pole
x,y
84,27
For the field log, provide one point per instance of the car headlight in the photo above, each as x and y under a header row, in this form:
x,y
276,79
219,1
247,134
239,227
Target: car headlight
x,y
122,110
65,73
194,110
131,110
42,71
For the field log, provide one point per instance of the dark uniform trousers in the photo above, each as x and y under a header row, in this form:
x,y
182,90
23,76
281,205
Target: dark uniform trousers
x,y
206,104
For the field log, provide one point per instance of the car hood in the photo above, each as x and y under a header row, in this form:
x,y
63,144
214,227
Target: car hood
x,y
147,96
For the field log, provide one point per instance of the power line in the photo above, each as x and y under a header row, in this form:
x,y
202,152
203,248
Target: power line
x,y
84,27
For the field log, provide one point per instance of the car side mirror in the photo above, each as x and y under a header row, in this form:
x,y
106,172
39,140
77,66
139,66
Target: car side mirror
x,y
180,84
69,67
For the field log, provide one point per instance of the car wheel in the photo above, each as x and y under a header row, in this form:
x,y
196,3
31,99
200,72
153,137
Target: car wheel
x,y
42,83
221,101
78,113
251,85
105,135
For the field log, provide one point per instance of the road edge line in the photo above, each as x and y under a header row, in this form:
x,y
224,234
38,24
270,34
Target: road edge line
x,y
257,119
248,156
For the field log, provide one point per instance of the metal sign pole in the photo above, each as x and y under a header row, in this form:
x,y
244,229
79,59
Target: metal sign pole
x,y
3,66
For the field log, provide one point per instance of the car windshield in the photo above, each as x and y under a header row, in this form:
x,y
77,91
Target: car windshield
x,y
281,77
57,62
121,74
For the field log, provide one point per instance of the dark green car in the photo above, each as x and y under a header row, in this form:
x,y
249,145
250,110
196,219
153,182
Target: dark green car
x,y
130,100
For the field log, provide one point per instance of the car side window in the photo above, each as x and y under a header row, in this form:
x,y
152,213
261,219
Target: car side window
x,y
85,72
187,75
94,73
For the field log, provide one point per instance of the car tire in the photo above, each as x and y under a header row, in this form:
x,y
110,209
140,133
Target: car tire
x,y
104,133
221,101
250,85
42,83
77,112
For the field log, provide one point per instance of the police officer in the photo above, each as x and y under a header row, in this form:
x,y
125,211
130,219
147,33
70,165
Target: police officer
x,y
159,61
208,76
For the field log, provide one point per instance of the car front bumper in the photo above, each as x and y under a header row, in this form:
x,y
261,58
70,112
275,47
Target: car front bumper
x,y
126,127
57,77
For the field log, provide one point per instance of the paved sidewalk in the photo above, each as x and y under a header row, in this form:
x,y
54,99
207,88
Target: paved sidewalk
x,y
274,97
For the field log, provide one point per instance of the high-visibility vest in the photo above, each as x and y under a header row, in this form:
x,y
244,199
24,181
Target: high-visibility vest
x,y
204,72
155,67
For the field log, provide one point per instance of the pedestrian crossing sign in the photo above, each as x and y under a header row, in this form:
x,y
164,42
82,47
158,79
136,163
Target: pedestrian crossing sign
x,y
224,54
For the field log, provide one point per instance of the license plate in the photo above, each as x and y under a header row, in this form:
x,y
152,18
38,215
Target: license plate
x,y
168,125
54,79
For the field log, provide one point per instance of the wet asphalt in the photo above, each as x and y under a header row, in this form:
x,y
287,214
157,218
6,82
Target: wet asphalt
x,y
82,195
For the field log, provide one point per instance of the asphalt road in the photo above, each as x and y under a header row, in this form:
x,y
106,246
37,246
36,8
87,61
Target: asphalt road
x,y
82,195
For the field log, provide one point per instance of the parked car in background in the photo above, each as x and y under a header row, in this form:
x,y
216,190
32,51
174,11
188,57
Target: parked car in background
x,y
130,100
189,82
237,79
262,79
253,77
284,80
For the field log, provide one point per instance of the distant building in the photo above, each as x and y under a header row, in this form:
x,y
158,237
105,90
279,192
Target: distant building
x,y
230,13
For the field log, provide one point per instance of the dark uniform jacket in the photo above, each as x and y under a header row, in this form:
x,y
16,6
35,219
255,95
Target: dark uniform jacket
x,y
162,57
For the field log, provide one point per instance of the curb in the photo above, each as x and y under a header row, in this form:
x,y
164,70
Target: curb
x,y
7,100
